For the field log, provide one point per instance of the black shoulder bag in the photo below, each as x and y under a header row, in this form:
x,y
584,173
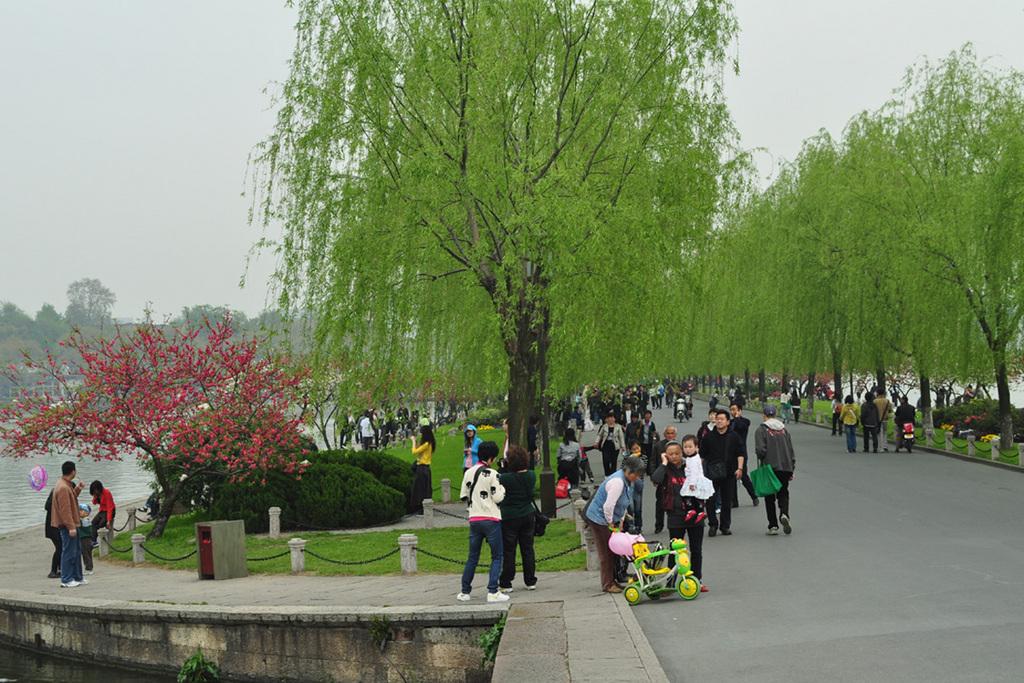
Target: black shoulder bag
x,y
540,521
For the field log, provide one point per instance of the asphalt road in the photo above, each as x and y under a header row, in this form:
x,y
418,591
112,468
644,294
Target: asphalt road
x,y
900,568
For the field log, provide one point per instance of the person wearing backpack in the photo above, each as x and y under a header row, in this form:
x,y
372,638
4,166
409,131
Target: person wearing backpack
x,y
774,447
869,421
482,491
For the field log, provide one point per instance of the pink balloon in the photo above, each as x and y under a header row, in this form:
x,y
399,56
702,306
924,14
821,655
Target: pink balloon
x,y
621,543
37,478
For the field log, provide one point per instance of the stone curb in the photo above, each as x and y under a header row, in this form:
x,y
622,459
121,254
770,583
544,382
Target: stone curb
x,y
650,661
221,614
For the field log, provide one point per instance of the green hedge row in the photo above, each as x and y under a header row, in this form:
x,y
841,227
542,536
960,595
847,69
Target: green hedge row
x,y
339,490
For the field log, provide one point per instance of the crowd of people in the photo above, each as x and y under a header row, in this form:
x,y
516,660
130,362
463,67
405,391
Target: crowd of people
x,y
873,416
502,512
72,527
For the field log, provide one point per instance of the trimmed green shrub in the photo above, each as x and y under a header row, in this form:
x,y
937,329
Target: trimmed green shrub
x,y
338,496
489,415
331,494
386,468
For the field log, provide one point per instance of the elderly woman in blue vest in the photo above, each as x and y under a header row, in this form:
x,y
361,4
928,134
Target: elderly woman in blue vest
x,y
605,513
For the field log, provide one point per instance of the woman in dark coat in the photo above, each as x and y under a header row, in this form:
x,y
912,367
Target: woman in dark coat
x,y
53,534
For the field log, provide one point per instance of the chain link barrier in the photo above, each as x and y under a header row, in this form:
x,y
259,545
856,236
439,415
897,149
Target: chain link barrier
x,y
451,514
561,553
268,557
351,563
117,531
115,549
168,559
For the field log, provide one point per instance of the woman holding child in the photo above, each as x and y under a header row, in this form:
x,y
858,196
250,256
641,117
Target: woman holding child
x,y
685,513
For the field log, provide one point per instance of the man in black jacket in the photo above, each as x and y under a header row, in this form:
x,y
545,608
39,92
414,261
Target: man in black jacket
x,y
741,426
869,420
905,413
723,455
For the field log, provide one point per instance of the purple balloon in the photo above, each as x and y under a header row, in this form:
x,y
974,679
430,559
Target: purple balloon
x,y
37,478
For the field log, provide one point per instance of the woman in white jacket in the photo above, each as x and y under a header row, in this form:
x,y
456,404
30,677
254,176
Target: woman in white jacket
x,y
482,491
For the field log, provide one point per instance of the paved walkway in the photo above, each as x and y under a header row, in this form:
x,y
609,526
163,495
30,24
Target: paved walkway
x,y
900,568
601,634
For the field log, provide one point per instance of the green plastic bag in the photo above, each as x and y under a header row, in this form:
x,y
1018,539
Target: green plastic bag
x,y
765,482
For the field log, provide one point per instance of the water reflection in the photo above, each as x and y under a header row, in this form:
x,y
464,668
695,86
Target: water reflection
x,y
29,667
20,506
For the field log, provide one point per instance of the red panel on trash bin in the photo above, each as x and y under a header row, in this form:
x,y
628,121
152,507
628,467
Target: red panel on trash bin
x,y
205,553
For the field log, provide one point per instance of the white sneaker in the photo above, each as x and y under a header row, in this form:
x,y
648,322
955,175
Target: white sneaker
x,y
506,590
787,528
82,582
88,572
497,597
532,588
463,597
70,584
772,531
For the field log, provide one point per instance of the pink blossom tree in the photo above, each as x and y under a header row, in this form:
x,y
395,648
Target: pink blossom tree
x,y
194,409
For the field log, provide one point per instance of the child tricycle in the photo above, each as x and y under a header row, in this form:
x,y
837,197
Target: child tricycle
x,y
652,575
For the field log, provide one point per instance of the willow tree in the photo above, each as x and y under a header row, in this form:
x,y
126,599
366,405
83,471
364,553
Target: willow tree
x,y
960,152
461,184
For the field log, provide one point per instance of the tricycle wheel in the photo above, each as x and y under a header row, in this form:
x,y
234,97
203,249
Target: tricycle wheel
x,y
688,587
633,595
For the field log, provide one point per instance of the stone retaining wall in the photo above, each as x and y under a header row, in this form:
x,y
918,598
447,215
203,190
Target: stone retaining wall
x,y
257,644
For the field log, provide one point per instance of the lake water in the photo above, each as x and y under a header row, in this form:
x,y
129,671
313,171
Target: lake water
x,y
20,506
28,667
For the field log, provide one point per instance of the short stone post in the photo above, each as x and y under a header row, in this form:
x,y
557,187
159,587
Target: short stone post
x,y
297,546
970,445
949,441
138,554
821,418
593,561
446,490
104,544
275,521
579,506
407,553
1020,455
428,513
929,437
132,520
995,450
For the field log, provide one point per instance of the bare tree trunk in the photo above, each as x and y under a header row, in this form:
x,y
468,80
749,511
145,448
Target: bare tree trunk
x,y
926,402
810,394
761,385
880,378
1005,409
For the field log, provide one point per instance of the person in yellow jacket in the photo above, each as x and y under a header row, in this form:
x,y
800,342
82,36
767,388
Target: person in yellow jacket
x,y
422,482
850,417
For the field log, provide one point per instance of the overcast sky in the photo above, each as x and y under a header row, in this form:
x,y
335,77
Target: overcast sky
x,y
126,125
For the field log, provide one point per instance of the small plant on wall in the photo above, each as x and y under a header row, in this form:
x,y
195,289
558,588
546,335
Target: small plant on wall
x,y
199,669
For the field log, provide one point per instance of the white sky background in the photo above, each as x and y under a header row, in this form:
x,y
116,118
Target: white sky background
x,y
125,126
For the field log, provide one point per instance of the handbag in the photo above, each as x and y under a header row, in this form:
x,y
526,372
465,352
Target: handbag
x,y
715,470
764,480
540,521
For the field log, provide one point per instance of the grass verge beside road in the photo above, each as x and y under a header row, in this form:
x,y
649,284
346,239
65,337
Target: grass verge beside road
x,y
450,542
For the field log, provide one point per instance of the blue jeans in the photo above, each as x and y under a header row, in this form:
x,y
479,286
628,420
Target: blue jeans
x,y
478,531
638,504
70,557
851,437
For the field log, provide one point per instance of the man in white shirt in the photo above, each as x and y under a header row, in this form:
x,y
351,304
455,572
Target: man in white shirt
x,y
366,431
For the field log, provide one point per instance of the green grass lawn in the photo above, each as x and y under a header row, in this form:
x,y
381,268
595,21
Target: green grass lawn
x,y
451,542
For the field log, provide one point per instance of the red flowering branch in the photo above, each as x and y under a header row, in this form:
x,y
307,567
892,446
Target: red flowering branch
x,y
192,407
